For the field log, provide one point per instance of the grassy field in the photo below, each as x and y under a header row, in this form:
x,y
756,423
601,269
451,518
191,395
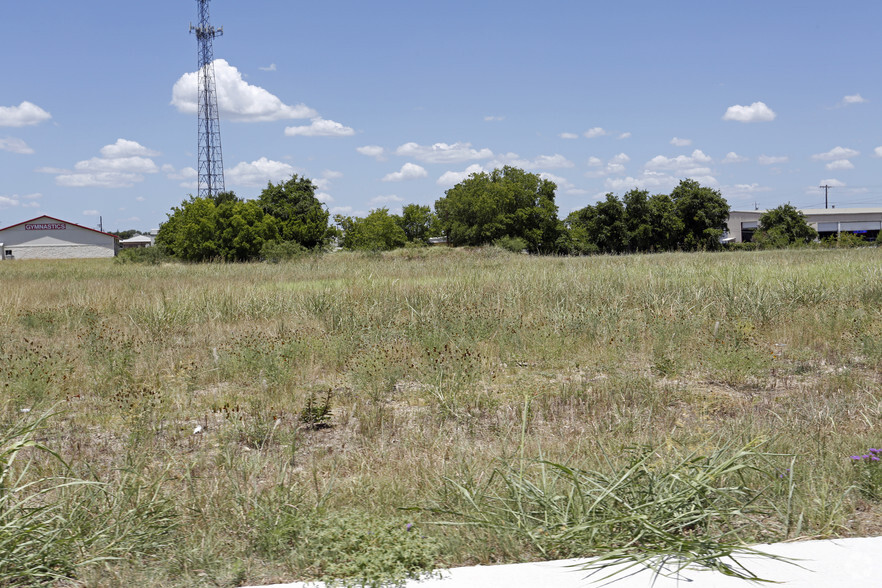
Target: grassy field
x,y
226,424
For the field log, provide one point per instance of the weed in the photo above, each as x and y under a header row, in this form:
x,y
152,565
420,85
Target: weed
x,y
869,473
317,413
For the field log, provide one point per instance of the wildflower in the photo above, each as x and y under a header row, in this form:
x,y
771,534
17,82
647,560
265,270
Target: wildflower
x,y
408,526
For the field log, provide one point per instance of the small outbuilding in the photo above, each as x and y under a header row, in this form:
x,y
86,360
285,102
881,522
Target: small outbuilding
x,y
136,242
46,237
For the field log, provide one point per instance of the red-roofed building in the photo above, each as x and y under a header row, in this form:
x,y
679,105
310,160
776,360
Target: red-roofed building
x,y
46,237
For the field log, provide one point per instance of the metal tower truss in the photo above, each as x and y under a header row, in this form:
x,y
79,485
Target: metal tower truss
x,y
211,162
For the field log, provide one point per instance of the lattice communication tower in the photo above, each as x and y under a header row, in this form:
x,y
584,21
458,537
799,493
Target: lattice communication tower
x,y
211,161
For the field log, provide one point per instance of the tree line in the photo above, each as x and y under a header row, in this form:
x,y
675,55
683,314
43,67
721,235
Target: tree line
x,y
508,207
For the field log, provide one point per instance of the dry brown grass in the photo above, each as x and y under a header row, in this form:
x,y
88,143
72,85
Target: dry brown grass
x,y
428,356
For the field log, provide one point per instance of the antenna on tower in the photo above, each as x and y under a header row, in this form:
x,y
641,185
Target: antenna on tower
x,y
211,161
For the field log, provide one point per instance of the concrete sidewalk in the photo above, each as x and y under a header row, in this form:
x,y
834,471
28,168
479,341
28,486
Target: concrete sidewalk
x,y
837,563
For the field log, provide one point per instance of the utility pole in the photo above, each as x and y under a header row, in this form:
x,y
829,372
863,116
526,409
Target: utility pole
x,y
211,162
826,189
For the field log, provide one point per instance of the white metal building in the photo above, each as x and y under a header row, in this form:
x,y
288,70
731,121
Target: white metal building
x,y
46,237
866,222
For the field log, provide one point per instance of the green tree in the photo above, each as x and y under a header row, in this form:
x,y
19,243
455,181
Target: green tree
x,y
704,213
783,226
418,223
242,230
378,231
127,234
606,227
574,238
665,222
202,230
638,220
191,230
301,217
507,202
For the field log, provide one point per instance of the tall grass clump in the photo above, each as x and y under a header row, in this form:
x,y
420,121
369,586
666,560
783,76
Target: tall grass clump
x,y
55,525
663,512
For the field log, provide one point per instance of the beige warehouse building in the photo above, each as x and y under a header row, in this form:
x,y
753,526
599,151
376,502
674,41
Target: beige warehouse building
x,y
46,237
866,222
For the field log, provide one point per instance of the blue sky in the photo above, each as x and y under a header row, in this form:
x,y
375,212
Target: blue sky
x,y
390,102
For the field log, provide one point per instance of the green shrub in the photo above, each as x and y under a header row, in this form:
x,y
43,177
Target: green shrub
x,y
343,548
149,255
278,251
845,240
513,244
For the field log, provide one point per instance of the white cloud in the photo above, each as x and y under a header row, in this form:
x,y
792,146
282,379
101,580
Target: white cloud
x,y
733,157
756,112
15,145
594,132
563,184
320,127
832,182
374,151
745,189
625,136
409,171
186,173
552,162
98,180
616,165
443,153
678,142
121,165
654,180
237,100
684,165
840,164
852,99
386,199
556,161
836,153
23,115
494,118
323,183
878,151
568,136
30,201
126,148
137,165
451,178
270,67
324,197
91,213
26,201
258,173
772,159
